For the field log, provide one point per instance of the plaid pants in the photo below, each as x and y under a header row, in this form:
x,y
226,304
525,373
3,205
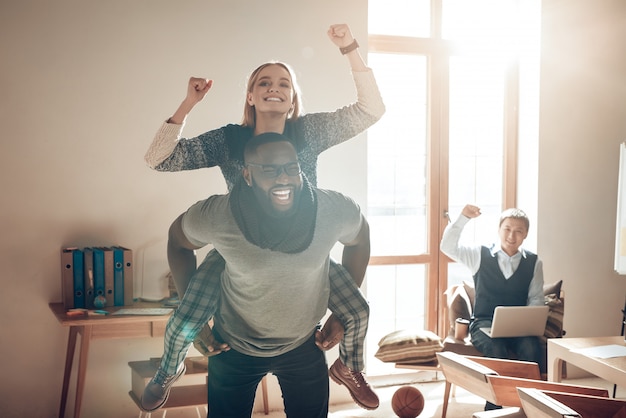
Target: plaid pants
x,y
201,301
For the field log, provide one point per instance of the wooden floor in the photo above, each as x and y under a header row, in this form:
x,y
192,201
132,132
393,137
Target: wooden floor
x,y
463,405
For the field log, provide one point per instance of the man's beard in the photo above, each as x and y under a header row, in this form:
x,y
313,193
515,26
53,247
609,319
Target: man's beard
x,y
265,201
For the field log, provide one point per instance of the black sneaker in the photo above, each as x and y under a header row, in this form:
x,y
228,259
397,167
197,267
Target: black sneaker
x,y
491,407
158,390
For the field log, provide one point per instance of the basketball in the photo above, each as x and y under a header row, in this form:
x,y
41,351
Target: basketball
x,y
407,402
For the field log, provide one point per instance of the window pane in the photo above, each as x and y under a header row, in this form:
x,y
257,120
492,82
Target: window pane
x,y
486,22
399,17
476,142
397,297
530,20
458,273
397,157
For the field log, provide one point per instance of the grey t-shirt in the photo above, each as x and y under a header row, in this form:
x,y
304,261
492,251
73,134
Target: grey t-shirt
x,y
271,301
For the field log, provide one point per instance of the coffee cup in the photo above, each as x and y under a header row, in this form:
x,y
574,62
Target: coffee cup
x,y
461,328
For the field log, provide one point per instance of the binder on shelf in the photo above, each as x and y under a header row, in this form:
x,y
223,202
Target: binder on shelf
x,y
128,275
88,278
79,282
67,277
118,276
108,276
98,278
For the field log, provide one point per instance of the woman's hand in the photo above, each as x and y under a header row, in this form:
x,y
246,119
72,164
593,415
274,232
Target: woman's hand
x,y
206,343
340,34
197,88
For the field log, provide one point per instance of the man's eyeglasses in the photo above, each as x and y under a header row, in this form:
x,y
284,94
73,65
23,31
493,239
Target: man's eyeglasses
x,y
271,171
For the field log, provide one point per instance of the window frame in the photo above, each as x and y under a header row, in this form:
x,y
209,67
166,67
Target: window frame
x,y
438,51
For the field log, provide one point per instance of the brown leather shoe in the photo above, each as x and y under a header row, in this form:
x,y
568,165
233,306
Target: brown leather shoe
x,y
355,382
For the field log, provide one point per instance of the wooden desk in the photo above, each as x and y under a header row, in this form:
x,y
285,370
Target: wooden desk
x,y
100,327
610,369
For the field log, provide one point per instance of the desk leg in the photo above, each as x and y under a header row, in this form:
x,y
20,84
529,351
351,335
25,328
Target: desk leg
x,y
82,367
69,359
555,369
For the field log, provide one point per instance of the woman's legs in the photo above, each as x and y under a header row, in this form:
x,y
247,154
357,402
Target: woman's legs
x,y
347,302
198,304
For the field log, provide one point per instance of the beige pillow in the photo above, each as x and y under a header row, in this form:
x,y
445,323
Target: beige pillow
x,y
409,346
554,324
552,295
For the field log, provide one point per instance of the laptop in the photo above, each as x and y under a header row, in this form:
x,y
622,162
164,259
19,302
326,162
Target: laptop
x,y
517,321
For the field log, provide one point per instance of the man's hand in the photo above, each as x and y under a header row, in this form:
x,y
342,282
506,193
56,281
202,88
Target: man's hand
x,y
330,335
206,343
470,211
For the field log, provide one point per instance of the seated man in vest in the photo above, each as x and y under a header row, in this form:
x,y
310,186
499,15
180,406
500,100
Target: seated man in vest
x,y
504,274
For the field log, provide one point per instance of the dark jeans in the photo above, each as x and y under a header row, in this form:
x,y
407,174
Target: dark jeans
x,y
302,374
523,348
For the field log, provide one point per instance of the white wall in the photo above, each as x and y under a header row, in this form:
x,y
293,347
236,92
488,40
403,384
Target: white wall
x,y
84,86
582,123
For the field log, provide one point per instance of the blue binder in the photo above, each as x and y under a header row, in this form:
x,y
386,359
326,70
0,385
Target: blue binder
x,y
118,276
88,277
98,278
79,283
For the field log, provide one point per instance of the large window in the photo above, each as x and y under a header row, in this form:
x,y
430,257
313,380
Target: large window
x,y
459,80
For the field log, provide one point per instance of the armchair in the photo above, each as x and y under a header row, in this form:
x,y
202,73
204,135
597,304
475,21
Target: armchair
x,y
460,304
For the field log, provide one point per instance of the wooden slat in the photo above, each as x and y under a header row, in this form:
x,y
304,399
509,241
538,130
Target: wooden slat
x,y
131,330
512,368
466,374
505,389
592,406
537,404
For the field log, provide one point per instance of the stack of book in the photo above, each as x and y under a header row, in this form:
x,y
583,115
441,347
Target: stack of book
x,y
96,277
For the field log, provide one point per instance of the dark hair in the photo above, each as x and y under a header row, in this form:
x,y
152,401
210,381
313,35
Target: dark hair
x,y
256,141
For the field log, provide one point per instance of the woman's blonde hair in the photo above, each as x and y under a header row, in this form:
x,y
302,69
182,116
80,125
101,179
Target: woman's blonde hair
x,y
249,115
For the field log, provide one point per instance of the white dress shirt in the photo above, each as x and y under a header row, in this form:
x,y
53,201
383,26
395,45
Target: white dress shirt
x,y
470,257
